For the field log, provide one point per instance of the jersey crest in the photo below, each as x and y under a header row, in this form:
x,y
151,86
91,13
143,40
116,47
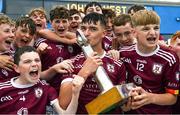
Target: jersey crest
x,y
38,92
110,68
157,68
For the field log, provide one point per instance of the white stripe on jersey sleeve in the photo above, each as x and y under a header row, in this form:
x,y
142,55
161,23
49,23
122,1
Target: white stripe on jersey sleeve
x,y
167,56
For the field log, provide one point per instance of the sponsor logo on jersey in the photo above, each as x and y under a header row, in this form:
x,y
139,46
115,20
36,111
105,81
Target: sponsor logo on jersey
x,y
6,98
128,60
110,68
38,92
23,92
141,61
174,85
137,79
78,66
157,68
70,49
94,88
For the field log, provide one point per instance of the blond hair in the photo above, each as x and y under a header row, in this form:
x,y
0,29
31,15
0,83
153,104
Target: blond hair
x,y
40,10
145,17
4,19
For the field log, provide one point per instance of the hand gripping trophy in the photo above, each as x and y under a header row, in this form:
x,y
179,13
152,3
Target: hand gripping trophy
x,y
111,95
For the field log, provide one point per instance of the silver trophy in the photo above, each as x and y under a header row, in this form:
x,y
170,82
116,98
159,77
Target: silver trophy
x,y
103,102
101,76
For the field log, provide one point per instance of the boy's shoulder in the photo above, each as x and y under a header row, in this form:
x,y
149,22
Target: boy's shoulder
x,y
128,48
167,50
109,59
5,84
168,54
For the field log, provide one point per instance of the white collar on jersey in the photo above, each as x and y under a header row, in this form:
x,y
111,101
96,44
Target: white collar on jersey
x,y
19,85
146,55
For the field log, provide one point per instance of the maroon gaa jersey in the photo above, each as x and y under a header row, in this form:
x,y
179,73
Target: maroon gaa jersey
x,y
57,54
90,90
25,99
6,74
107,43
157,72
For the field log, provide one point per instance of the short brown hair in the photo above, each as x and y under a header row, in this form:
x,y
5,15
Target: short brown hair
x,y
135,8
59,12
26,22
109,13
74,11
122,19
145,17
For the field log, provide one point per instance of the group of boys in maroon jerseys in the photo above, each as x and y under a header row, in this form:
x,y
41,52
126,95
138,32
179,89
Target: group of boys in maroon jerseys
x,y
42,67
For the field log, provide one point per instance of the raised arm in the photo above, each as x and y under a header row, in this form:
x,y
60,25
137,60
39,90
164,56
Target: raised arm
x,y
77,84
89,66
48,34
63,67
